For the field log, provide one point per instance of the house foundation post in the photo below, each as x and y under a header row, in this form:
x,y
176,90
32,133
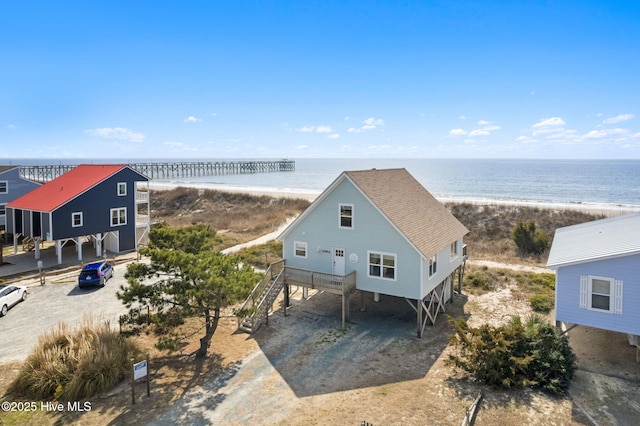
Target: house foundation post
x,y
419,314
286,299
79,247
98,244
362,305
59,251
305,293
36,245
376,297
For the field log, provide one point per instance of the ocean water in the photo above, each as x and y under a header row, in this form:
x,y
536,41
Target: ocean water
x,y
607,182
575,182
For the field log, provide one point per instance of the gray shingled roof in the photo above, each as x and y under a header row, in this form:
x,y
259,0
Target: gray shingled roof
x,y
596,240
422,219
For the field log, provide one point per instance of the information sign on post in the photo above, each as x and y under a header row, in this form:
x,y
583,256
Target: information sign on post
x,y
140,370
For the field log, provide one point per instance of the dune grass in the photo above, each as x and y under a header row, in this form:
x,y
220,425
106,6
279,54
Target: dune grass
x,y
71,364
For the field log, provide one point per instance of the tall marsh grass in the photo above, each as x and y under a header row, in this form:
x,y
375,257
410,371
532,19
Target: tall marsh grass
x,y
72,364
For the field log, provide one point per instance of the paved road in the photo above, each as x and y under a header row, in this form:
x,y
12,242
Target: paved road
x,y
59,300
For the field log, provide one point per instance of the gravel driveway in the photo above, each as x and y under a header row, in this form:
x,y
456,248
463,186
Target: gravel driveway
x,y
59,300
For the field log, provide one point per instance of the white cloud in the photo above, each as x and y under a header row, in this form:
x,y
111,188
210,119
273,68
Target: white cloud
x,y
192,119
479,132
549,122
314,129
174,144
483,122
368,124
605,133
214,114
462,117
618,119
12,127
302,147
333,136
120,133
457,132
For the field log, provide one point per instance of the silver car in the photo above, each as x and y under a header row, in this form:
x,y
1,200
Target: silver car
x,y
11,295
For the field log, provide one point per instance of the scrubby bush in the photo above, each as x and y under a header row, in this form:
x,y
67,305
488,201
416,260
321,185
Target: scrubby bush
x,y
528,239
514,355
74,364
478,279
542,302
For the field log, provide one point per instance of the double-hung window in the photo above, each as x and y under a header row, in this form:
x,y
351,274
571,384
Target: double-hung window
x,y
119,216
433,265
382,265
346,216
453,250
601,294
299,249
122,189
4,187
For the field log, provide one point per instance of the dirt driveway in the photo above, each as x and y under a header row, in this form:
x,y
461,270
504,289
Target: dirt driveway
x,y
306,371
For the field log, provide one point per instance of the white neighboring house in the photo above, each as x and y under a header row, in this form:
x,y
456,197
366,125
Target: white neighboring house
x,y
378,231
598,274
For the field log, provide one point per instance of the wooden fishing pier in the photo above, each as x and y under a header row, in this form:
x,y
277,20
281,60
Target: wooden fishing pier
x,y
171,170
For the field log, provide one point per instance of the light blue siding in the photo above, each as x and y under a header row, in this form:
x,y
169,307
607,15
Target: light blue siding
x,y
371,232
626,269
16,188
445,267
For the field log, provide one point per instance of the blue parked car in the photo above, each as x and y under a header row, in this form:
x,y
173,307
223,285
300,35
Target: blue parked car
x,y
96,273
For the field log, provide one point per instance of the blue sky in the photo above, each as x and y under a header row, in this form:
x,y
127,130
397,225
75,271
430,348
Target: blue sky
x,y
271,79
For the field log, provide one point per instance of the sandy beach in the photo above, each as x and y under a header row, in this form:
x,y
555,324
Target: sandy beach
x,y
593,208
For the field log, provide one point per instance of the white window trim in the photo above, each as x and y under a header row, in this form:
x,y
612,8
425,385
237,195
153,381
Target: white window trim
x,y
381,276
453,250
302,245
122,185
73,221
615,294
6,186
432,271
119,209
340,215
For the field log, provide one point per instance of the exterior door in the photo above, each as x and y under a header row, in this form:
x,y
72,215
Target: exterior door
x,y
338,261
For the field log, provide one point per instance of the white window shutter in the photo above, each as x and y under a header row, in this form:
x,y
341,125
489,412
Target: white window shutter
x,y
617,297
584,292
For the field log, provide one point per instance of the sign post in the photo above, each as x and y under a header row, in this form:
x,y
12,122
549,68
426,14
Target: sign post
x,y
139,370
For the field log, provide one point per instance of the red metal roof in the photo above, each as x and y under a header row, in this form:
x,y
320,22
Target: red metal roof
x,y
64,188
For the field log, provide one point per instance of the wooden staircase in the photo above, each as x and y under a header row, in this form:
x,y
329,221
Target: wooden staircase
x,y
257,306
28,244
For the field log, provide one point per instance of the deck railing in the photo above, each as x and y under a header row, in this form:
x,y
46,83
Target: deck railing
x,y
319,280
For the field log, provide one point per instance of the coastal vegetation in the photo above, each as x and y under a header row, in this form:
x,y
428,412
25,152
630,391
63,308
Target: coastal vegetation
x,y
185,278
73,364
529,354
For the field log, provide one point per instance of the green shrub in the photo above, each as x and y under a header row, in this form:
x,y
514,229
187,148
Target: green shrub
x,y
478,279
72,365
528,239
542,302
515,355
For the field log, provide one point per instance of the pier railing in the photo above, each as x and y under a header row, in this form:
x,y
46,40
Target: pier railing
x,y
171,170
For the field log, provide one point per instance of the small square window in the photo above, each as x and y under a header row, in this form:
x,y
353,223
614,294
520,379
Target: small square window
x,y
76,219
300,249
454,249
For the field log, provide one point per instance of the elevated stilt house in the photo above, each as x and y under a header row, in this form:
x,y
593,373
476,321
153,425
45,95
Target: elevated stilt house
x,y
376,231
106,204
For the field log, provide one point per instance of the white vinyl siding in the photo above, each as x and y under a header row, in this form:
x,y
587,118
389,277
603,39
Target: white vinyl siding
x,y
453,250
601,294
300,249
